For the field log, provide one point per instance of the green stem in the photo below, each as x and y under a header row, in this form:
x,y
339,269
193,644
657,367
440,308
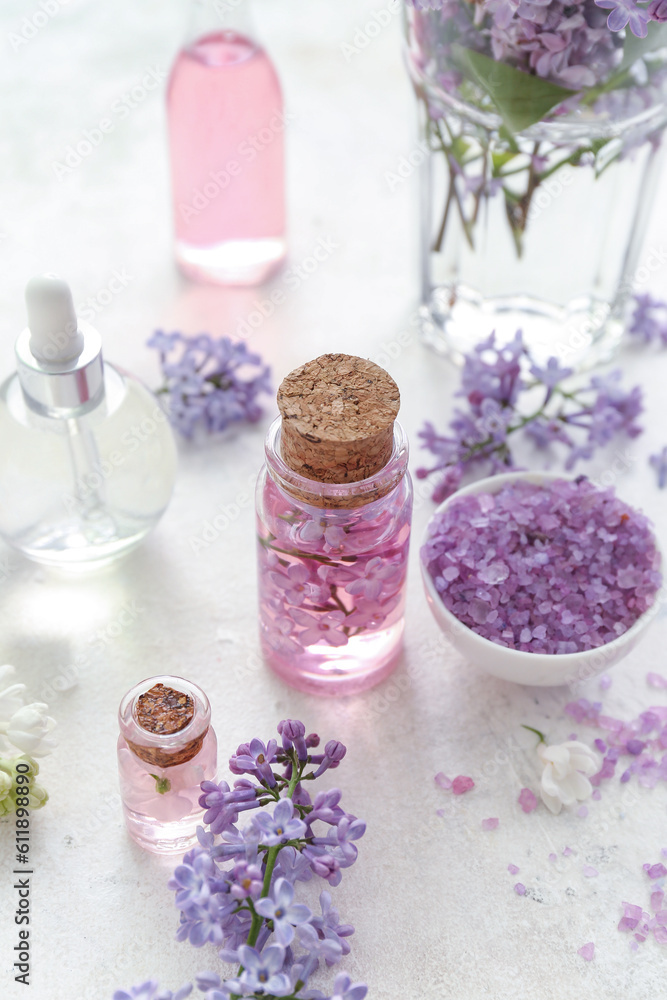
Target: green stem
x,y
536,731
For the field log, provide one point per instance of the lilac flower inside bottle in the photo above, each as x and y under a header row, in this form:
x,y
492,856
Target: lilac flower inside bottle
x,y
166,748
334,504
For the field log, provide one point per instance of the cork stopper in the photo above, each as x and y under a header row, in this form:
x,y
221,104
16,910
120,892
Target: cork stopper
x,y
163,711
338,415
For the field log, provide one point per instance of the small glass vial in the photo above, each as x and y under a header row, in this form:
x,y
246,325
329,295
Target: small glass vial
x,y
87,456
226,140
166,748
334,506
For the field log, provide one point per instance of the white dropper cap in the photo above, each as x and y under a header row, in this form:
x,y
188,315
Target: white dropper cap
x,y
58,359
55,337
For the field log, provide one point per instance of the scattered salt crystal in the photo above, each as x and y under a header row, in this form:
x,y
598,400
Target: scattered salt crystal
x,y
589,871
442,781
553,857
567,851
513,869
440,812
605,682
572,736
656,871
597,794
656,680
634,945
660,934
527,800
520,889
661,917
656,899
582,811
462,784
635,747
490,824
587,951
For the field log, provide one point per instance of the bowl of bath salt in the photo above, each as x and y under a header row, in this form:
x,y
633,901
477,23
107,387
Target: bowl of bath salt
x,y
541,579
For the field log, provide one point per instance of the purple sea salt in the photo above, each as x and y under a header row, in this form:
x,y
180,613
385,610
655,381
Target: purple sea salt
x,y
513,869
527,800
605,682
575,586
656,871
520,889
587,951
656,680
657,897
442,781
462,784
589,871
492,823
635,747
582,811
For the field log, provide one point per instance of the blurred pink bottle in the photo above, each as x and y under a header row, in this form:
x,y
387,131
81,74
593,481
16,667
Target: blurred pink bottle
x,y
226,136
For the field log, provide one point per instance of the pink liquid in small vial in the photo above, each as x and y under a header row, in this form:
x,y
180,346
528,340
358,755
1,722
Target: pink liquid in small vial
x,y
161,805
226,133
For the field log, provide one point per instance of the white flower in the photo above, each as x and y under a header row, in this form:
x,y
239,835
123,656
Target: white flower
x,y
5,785
11,697
28,729
564,778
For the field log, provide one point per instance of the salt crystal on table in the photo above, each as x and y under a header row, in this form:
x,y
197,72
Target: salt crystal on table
x,y
440,812
597,794
660,934
656,871
605,682
462,784
656,899
589,871
491,823
527,800
567,851
656,681
582,811
442,781
513,869
587,951
661,917
520,889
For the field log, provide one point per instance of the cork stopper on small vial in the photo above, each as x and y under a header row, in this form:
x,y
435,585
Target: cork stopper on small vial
x,y
338,415
164,711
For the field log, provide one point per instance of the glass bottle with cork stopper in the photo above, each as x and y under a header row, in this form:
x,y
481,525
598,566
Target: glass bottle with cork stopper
x,y
334,506
166,748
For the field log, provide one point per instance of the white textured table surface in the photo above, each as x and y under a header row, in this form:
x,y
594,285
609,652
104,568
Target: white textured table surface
x,y
431,897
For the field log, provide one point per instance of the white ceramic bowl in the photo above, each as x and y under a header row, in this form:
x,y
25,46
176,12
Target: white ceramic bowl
x,y
514,664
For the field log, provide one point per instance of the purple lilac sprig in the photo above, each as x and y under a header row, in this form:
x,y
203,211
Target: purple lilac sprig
x,y
496,391
238,888
209,383
649,320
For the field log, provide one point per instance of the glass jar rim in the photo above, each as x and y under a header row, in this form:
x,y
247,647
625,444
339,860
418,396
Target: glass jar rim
x,y
319,494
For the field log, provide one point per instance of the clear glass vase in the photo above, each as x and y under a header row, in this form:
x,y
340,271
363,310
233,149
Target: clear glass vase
x,y
540,175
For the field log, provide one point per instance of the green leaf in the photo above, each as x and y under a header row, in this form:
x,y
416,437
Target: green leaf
x,y
521,99
635,48
500,159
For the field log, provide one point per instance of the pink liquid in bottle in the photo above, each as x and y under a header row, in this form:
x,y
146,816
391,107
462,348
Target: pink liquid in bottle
x,y
226,133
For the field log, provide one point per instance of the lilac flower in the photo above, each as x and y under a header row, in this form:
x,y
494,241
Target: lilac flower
x,y
247,881
372,574
624,12
293,866
323,945
293,733
322,527
258,760
212,383
334,751
345,990
262,972
323,628
325,807
649,318
330,921
283,911
659,463
657,11
579,420
150,990
324,864
202,923
195,882
280,827
348,829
